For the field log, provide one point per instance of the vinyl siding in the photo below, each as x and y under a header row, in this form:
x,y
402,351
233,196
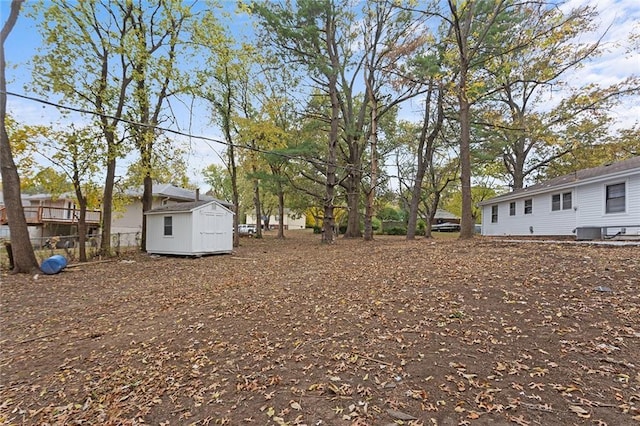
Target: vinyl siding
x,y
588,209
591,210
542,220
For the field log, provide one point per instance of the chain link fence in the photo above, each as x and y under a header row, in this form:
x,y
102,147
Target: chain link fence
x,y
69,246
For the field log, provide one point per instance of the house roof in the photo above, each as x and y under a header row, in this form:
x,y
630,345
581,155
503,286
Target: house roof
x,y
580,177
167,190
444,214
182,207
64,196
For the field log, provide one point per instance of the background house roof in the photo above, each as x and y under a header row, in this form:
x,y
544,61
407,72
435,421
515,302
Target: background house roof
x,y
571,179
167,190
444,214
43,197
180,207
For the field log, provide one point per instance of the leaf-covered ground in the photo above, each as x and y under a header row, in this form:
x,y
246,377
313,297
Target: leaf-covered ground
x,y
291,332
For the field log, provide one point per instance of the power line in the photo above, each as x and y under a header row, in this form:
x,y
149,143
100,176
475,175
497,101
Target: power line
x,y
156,127
181,133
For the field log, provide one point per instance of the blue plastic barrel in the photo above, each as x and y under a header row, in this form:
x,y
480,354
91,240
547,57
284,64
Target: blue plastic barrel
x,y
54,264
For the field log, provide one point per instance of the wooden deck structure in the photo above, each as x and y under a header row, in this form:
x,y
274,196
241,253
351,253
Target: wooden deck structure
x,y
40,215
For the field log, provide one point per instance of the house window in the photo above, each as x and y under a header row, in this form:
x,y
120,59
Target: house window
x,y
561,201
615,198
528,206
566,201
512,208
494,214
168,225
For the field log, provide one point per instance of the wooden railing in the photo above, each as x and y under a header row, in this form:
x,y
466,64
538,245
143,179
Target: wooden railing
x,y
38,215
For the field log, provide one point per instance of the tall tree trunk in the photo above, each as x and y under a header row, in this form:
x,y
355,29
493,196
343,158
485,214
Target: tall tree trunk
x,y
235,197
466,223
353,183
82,229
280,211
371,194
107,202
328,222
462,29
258,207
147,204
416,192
225,111
426,151
516,163
431,214
24,259
82,220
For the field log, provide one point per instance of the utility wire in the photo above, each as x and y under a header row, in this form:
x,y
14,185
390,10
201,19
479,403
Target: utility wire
x,y
181,133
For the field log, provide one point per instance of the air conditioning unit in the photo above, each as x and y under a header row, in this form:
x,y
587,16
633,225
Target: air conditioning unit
x,y
588,233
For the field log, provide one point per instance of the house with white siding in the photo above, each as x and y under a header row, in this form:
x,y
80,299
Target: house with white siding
x,y
601,202
291,220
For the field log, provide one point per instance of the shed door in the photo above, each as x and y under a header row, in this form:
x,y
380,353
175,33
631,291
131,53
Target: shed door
x,y
212,231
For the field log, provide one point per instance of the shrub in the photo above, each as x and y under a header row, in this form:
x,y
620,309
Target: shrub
x,y
396,230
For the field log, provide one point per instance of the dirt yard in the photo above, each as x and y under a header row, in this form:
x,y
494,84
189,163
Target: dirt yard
x,y
292,332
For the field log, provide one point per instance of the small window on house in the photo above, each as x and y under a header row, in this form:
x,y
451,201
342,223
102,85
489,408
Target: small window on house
x,y
566,201
615,198
494,214
512,208
528,206
561,201
168,225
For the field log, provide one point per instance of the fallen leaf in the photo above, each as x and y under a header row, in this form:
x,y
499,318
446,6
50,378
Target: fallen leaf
x,y
581,412
399,415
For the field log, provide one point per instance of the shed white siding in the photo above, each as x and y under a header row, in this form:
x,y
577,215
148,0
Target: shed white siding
x,y
205,229
215,231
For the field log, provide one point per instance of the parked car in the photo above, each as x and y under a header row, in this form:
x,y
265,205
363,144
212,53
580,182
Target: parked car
x,y
446,227
246,230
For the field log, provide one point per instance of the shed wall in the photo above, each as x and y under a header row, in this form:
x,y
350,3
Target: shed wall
x,y
181,240
213,230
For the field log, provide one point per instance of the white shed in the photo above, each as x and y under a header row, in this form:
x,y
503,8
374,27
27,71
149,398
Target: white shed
x,y
190,229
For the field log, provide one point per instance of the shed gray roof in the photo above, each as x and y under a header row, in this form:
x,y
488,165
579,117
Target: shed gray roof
x,y
571,179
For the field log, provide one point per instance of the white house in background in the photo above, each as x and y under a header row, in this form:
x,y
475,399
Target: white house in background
x,y
291,220
192,229
128,222
590,204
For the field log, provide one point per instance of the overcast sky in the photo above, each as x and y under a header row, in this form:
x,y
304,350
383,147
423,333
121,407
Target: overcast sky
x,y
619,18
